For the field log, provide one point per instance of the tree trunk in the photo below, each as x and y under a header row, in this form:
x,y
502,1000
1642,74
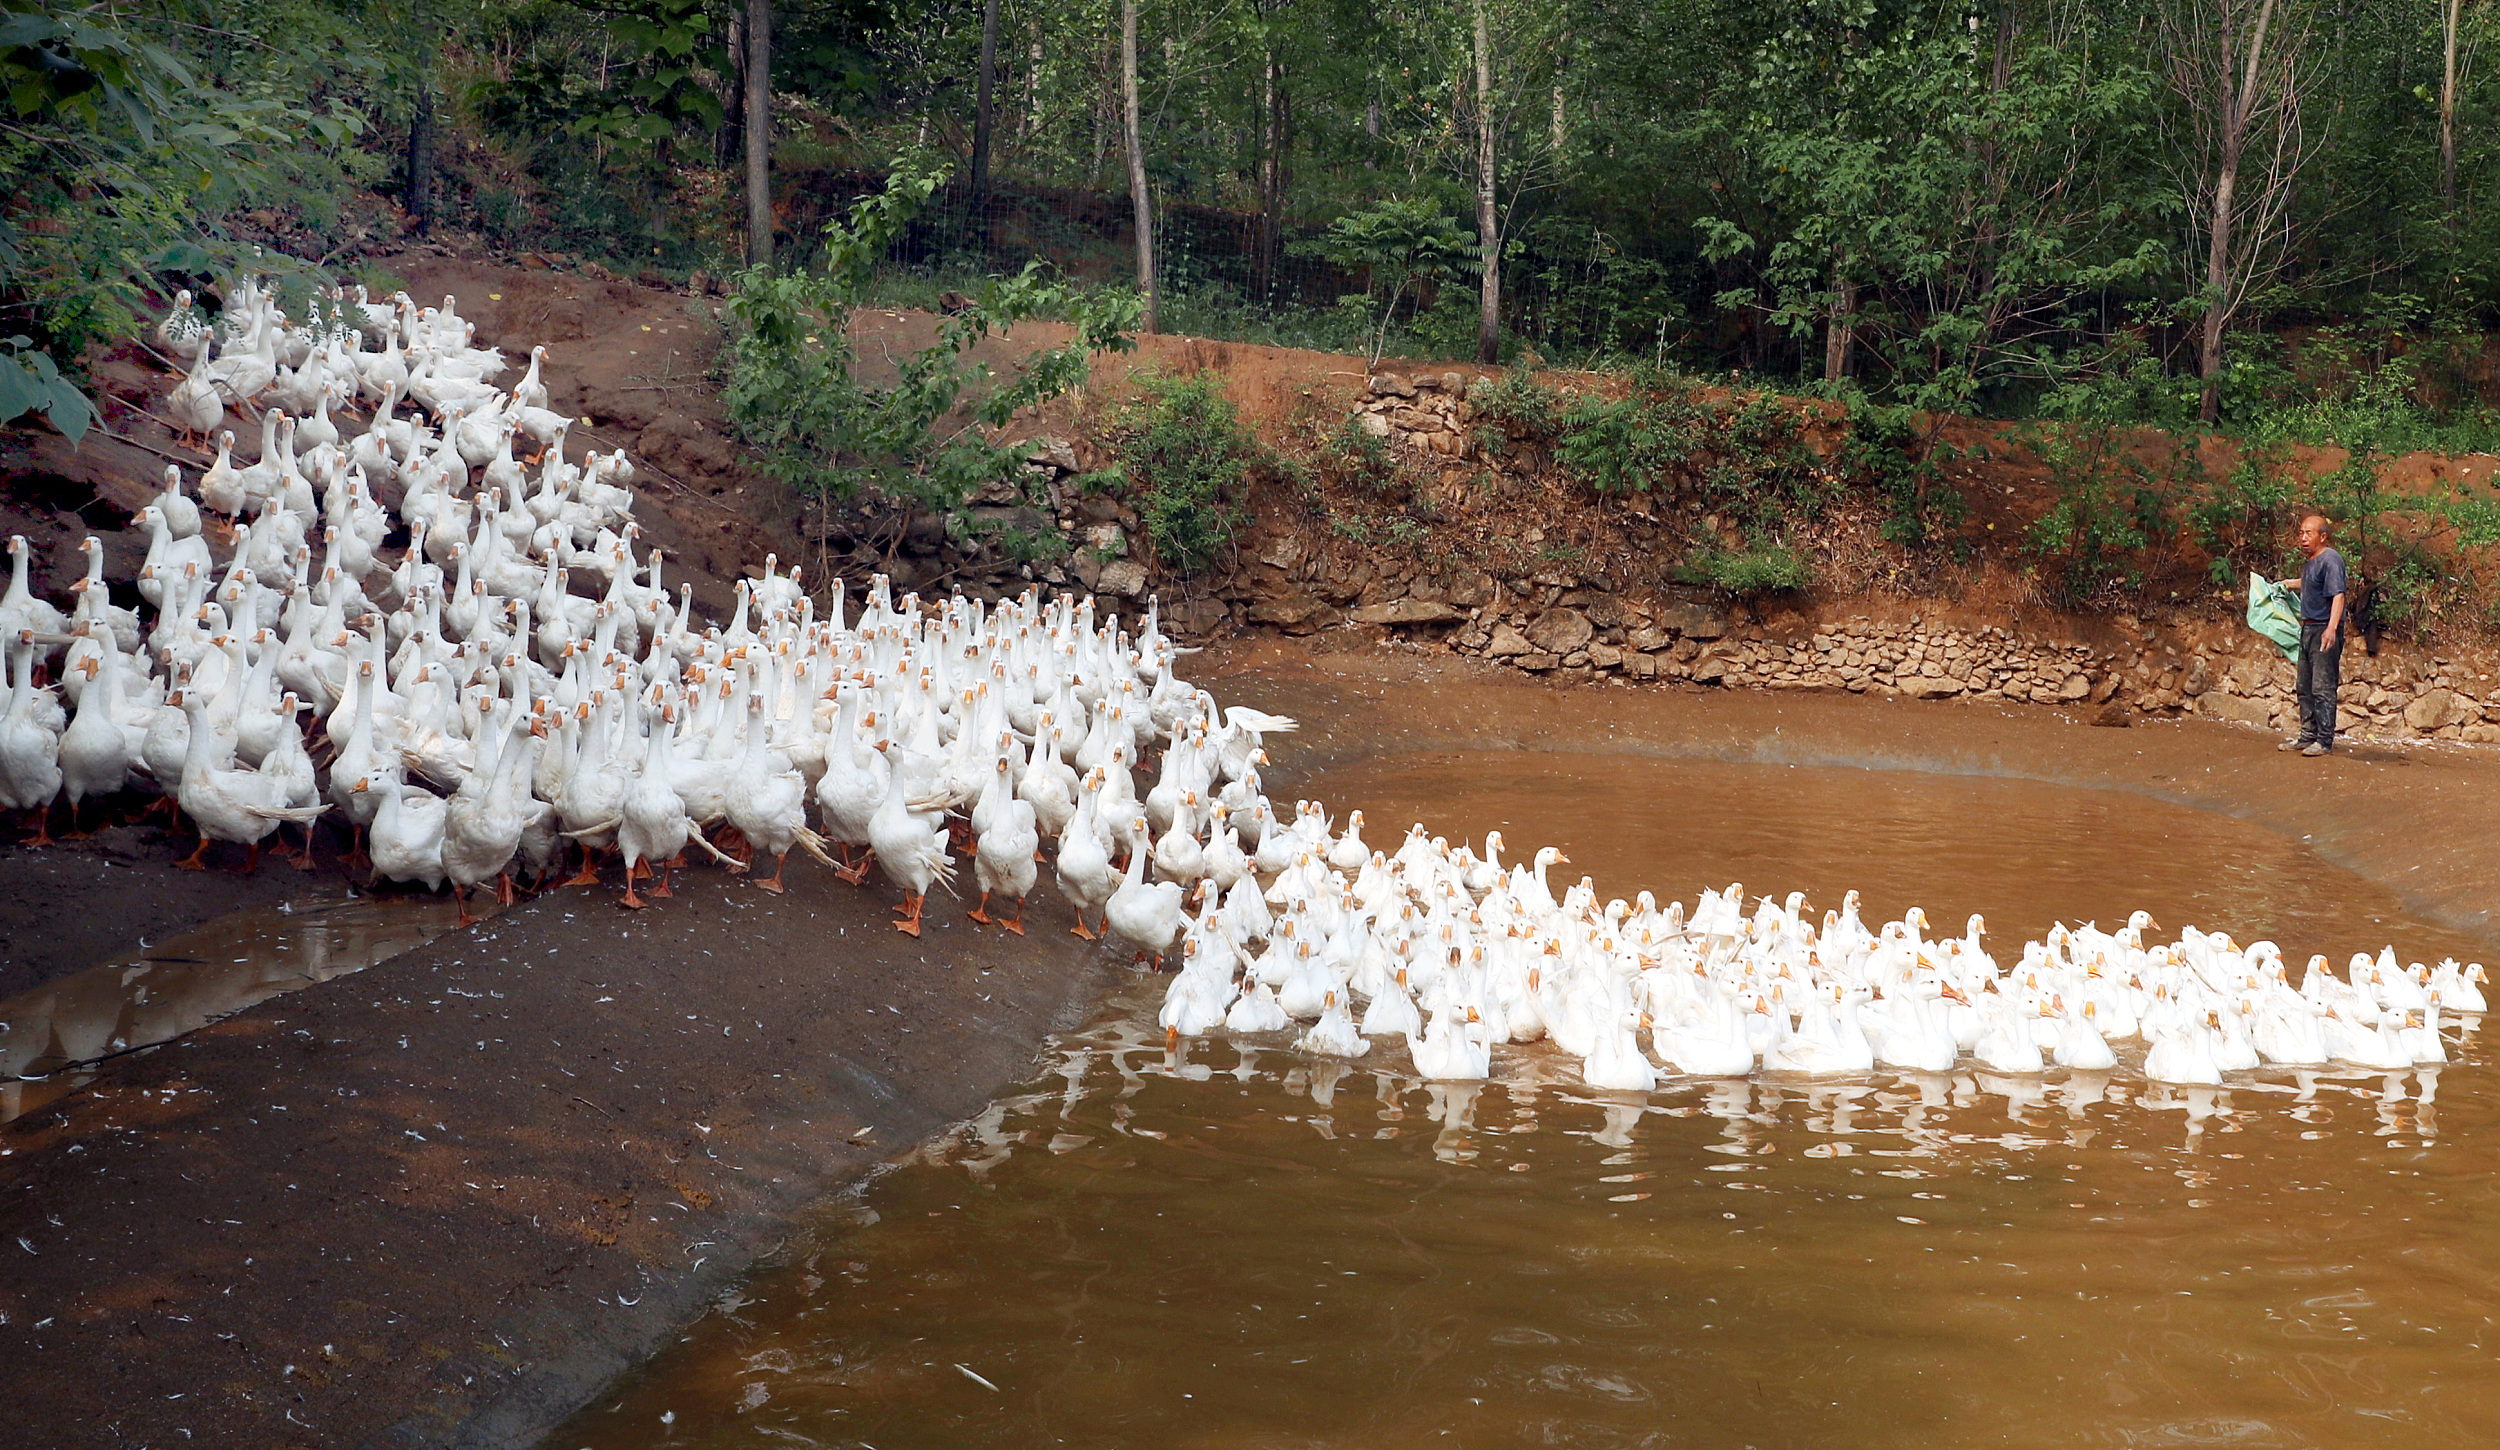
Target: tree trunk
x,y
1276,136
420,186
729,143
984,121
2237,103
759,127
1138,198
1840,331
2448,107
1489,311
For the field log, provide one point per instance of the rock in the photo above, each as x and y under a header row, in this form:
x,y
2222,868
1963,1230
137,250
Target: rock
x,y
2077,687
1124,577
2113,715
2436,708
1390,385
992,518
1538,663
1407,611
1561,631
2483,734
1640,667
1294,613
1194,617
1375,424
1058,453
1706,669
1282,552
2235,707
1507,644
1604,610
1692,621
1605,656
1454,385
2102,692
1929,687
1105,540
1470,590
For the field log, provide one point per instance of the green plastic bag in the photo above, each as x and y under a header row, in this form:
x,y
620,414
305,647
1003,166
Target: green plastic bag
x,y
2271,614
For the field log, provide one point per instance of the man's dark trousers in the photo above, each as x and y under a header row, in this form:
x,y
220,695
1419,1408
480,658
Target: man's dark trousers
x,y
2321,675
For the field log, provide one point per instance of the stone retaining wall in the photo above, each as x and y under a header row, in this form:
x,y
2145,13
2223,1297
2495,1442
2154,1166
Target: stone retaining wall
x,y
1549,622
2223,672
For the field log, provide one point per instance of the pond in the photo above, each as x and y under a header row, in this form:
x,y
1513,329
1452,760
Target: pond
x,y
1231,1243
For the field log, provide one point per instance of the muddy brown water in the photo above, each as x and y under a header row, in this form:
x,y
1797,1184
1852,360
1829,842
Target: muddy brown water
x,y
1235,1244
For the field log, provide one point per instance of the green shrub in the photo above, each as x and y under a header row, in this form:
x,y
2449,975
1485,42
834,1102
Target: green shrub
x,y
1885,450
1363,460
1745,572
1189,461
793,392
2241,520
1518,403
1636,444
2109,508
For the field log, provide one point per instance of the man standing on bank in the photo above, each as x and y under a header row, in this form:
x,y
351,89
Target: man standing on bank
x,y
2321,585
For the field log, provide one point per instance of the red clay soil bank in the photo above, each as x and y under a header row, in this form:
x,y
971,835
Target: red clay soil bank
x,y
443,1201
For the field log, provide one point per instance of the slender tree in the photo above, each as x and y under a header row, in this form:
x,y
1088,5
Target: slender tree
x,y
1138,199
1488,229
984,110
759,132
2239,67
2451,13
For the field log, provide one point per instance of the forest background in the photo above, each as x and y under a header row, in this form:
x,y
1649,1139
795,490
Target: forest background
x,y
2272,219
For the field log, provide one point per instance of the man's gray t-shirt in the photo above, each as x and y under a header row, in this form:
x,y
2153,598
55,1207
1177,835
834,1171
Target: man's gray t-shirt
x,y
2320,581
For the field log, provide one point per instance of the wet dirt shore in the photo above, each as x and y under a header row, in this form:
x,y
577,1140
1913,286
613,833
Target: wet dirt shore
x,y
444,1200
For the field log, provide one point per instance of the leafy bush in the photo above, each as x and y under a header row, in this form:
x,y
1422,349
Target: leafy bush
x,y
1364,461
2240,521
1631,445
2109,508
1768,569
1189,461
793,389
29,383
1517,402
1396,244
1885,449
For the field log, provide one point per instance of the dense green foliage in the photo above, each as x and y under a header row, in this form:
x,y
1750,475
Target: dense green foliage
x,y
1904,207
1187,462
821,424
1936,202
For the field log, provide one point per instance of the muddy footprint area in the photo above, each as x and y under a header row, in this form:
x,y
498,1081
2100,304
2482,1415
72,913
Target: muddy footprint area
x,y
444,1199
78,903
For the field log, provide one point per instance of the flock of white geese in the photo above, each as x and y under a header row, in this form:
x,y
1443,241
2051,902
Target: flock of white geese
x,y
516,688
